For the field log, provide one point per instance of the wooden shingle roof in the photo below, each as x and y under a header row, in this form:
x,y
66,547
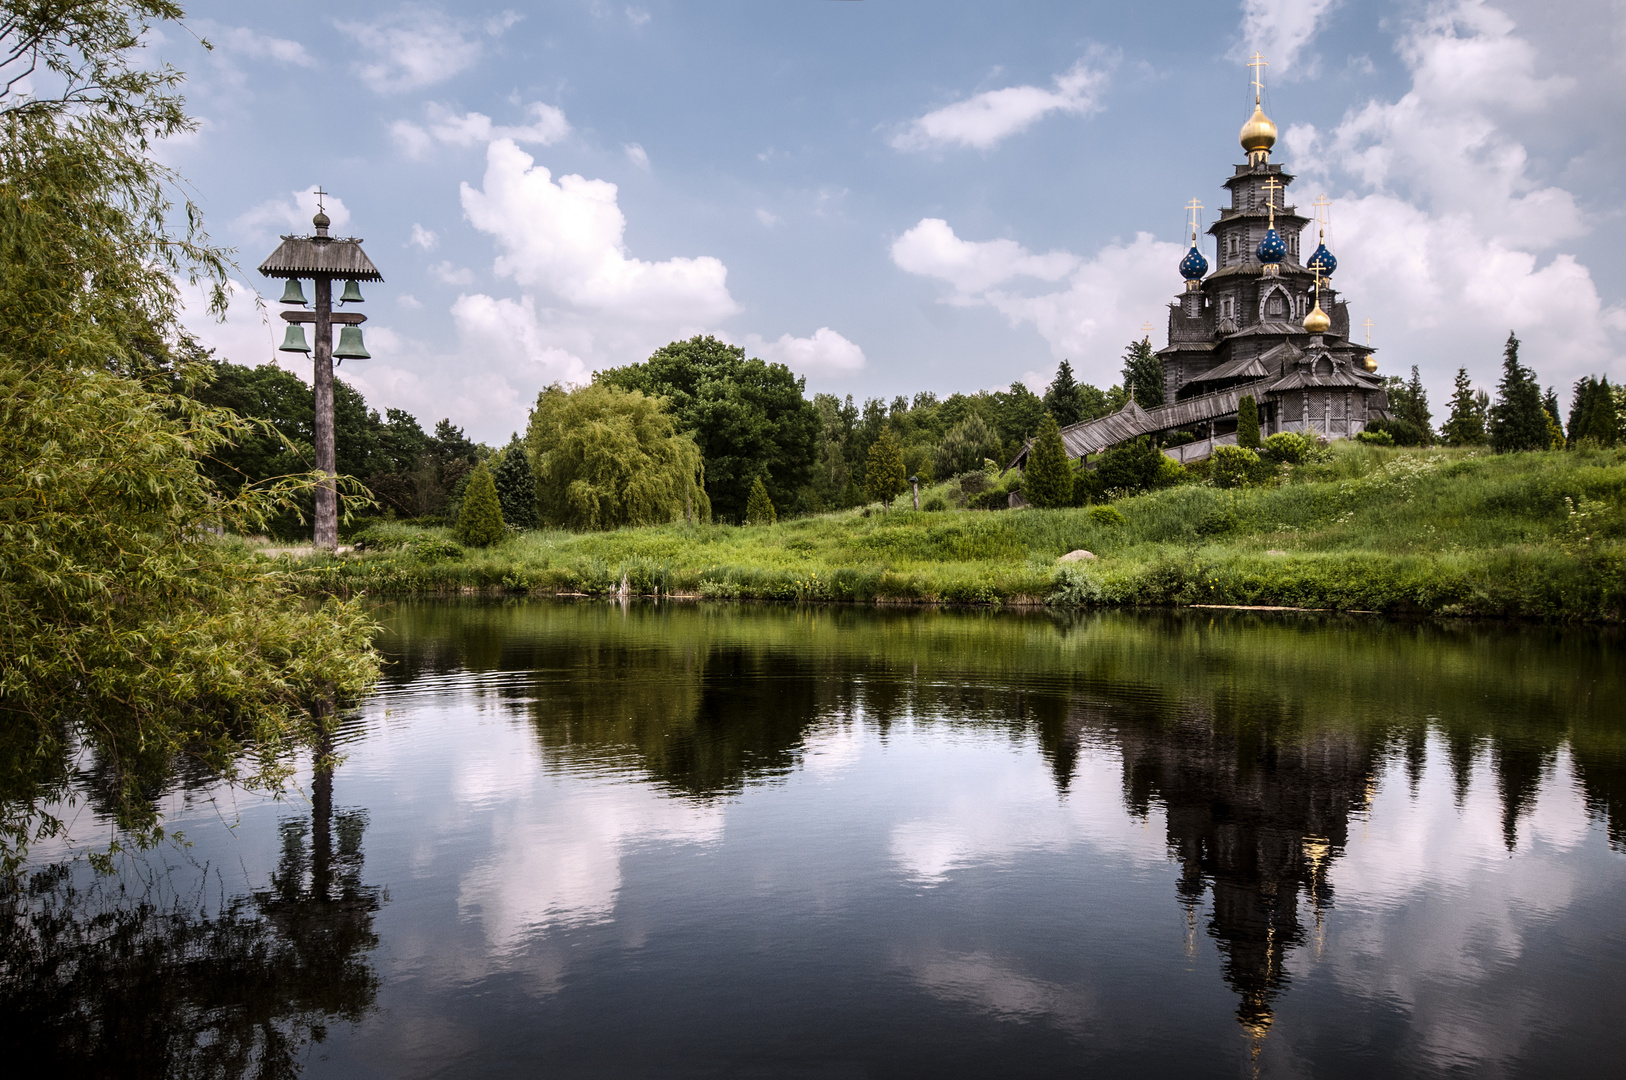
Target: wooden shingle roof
x,y
307,256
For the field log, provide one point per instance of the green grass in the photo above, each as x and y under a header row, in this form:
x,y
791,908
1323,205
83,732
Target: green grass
x,y
1378,529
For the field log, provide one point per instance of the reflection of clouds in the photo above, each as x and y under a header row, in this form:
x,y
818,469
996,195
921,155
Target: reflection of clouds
x,y
555,853
829,750
994,986
1436,885
980,808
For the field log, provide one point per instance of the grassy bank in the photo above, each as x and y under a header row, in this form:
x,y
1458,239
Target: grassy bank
x,y
1376,529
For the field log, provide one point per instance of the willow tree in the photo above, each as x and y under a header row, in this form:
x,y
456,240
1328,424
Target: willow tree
x,y
604,458
127,630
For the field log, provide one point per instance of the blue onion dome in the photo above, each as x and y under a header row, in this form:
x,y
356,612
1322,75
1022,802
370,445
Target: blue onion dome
x,y
1272,249
1193,266
1322,262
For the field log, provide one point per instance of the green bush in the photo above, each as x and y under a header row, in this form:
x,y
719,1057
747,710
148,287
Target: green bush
x,y
1400,432
1233,466
1106,515
935,504
1048,479
1376,436
1247,423
479,520
1287,448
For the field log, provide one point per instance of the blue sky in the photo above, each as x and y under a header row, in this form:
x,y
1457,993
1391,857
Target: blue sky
x,y
893,197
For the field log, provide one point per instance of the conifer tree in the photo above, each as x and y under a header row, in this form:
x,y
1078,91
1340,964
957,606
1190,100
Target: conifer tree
x,y
516,486
1555,426
479,520
1593,413
1061,397
1247,423
1143,374
884,475
1047,481
1466,424
1416,409
1518,421
759,508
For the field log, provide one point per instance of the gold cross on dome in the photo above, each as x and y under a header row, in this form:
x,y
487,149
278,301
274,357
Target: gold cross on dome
x,y
1270,187
1368,325
1193,206
1257,63
1146,330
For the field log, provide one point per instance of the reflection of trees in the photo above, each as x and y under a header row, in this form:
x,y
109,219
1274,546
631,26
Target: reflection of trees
x,y
96,983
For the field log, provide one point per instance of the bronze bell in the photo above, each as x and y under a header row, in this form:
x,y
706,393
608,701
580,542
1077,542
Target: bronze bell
x,y
351,294
293,293
350,345
294,340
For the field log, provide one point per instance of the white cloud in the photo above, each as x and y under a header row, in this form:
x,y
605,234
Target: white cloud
x,y
241,41
423,238
1444,235
275,216
566,239
451,274
768,219
982,121
246,336
826,352
408,302
1281,30
637,16
932,249
637,155
1106,300
414,47
547,126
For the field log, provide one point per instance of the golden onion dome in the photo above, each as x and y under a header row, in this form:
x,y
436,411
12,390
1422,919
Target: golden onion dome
x,y
1259,133
1370,363
1317,322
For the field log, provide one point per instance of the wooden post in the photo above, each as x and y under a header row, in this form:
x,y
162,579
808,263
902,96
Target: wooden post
x,y
327,503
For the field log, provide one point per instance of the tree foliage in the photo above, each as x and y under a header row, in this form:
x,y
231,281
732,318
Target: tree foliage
x,y
1247,423
884,476
1143,374
967,445
128,630
479,518
748,417
1518,420
1466,424
605,458
516,487
1408,402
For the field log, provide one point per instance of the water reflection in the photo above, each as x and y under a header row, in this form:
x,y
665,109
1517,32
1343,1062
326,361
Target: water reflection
x,y
1258,741
123,977
638,839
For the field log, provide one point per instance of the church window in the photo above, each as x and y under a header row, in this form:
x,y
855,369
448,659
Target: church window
x,y
1276,306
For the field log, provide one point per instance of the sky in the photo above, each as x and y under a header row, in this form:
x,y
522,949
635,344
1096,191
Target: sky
x,y
893,197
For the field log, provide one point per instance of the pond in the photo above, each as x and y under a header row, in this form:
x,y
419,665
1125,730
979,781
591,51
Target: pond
x,y
589,839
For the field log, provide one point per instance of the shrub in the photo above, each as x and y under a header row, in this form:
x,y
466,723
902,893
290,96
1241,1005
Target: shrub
x,y
1106,515
1376,438
1233,466
1286,448
934,504
992,499
1403,432
479,521
1133,467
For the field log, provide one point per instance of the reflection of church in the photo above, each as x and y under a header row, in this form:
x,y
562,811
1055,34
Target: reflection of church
x,y
1260,324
